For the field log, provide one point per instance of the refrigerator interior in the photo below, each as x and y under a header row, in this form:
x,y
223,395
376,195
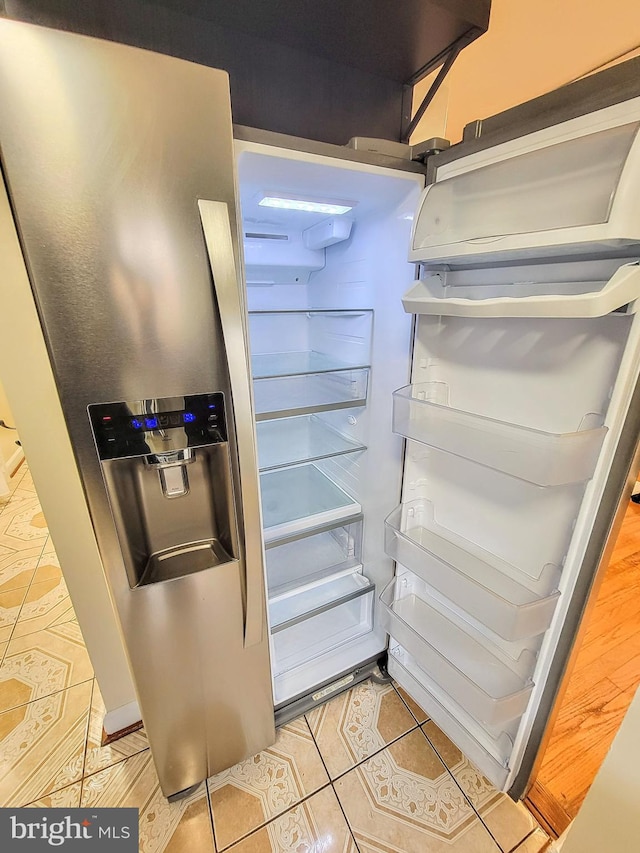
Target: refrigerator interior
x,y
510,386
329,344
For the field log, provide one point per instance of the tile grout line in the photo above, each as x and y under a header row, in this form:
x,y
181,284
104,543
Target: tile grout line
x,y
47,696
16,588
86,741
50,794
115,763
76,781
275,817
376,752
428,720
335,793
5,508
209,806
28,587
53,624
522,840
12,492
330,783
13,627
457,784
313,793
44,545
88,732
10,502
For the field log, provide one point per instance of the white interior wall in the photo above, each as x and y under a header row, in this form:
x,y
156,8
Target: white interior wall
x,y
369,270
273,333
544,374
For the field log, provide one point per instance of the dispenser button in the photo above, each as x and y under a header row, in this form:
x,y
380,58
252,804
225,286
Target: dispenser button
x,y
151,423
175,419
163,420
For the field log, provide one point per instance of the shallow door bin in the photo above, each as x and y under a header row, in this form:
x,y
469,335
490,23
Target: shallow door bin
x,y
423,413
468,671
478,582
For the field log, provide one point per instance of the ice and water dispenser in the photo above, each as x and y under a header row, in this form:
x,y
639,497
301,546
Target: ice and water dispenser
x,y
167,470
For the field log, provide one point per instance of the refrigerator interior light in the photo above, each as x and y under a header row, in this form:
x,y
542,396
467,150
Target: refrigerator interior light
x,y
287,201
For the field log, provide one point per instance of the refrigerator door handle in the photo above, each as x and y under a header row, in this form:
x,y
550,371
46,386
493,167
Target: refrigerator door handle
x,y
217,234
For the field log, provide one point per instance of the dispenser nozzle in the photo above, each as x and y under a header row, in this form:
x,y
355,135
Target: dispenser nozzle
x,y
172,469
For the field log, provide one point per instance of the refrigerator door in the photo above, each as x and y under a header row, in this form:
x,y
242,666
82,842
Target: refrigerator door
x,y
563,191
520,430
106,152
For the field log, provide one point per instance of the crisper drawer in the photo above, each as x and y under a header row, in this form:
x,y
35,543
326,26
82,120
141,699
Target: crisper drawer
x,y
309,600
466,669
473,579
488,749
303,642
317,392
423,413
310,558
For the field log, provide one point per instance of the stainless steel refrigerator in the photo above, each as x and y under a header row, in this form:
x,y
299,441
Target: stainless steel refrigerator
x,y
441,448
115,160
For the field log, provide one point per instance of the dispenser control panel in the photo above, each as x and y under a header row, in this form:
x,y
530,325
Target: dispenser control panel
x,y
158,425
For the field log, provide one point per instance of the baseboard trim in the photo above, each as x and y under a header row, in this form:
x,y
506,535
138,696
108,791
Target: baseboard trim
x,y
107,739
15,461
547,810
122,719
558,844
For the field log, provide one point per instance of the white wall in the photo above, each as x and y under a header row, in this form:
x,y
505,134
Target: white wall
x,y
531,47
28,381
11,454
609,820
8,437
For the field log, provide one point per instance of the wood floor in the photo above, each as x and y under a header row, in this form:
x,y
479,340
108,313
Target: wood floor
x,y
601,686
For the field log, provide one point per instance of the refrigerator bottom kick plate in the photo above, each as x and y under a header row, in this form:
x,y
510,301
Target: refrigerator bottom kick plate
x,y
323,692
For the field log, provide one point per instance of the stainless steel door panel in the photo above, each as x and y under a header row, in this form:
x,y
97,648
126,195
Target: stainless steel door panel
x,y
216,697
216,224
106,150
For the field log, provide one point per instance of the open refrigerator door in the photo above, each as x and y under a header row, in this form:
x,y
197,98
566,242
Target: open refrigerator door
x,y
526,358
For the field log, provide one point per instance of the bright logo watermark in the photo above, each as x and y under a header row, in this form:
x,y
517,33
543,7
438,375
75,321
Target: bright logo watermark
x,y
33,830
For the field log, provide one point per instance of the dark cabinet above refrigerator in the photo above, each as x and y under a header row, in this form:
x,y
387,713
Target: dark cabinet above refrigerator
x,y
321,69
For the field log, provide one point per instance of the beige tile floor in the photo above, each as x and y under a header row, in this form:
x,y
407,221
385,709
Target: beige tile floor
x,y
366,772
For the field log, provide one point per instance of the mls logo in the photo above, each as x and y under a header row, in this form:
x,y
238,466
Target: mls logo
x,y
33,830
